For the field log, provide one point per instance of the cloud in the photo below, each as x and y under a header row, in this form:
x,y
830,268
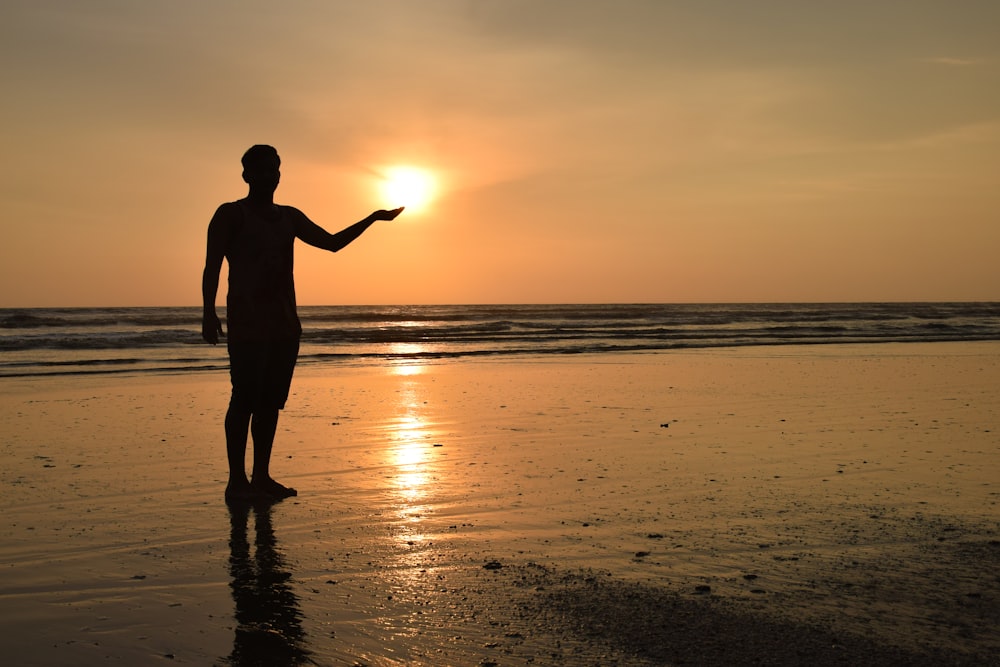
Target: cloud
x,y
954,62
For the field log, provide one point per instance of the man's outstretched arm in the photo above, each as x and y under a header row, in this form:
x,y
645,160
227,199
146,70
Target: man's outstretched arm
x,y
314,235
218,234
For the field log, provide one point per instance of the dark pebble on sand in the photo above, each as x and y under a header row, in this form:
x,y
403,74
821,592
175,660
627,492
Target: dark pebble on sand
x,y
749,577
655,536
493,565
641,554
703,589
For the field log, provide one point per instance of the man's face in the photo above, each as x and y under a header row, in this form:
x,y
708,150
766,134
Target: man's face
x,y
263,175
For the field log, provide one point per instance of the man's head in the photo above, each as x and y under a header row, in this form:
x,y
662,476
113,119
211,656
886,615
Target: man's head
x,y
261,166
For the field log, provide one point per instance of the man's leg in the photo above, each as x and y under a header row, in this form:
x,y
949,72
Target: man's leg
x,y
276,379
237,424
262,427
245,362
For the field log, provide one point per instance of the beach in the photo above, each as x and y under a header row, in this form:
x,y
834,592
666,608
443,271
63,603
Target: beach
x,y
823,504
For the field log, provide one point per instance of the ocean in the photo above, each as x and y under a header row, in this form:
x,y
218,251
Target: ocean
x,y
74,341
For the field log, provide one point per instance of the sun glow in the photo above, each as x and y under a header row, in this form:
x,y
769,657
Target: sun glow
x,y
411,187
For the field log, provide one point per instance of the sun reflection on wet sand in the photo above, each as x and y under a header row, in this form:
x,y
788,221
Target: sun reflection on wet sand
x,y
411,438
414,470
409,456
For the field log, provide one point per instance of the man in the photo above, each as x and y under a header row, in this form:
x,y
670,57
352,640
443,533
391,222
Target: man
x,y
256,236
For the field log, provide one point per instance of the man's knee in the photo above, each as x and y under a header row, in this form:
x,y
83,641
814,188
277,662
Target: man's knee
x,y
242,401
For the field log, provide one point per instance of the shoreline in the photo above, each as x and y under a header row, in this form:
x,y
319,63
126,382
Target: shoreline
x,y
843,493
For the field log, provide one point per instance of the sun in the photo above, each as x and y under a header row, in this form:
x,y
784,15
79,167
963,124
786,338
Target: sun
x,y
411,187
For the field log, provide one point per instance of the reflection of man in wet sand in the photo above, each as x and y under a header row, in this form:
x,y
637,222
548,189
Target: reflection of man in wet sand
x,y
256,236
268,618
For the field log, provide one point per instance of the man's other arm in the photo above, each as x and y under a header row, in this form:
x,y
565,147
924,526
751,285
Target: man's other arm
x,y
219,230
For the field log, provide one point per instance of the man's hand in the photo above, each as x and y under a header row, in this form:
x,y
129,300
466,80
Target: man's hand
x,y
387,215
211,328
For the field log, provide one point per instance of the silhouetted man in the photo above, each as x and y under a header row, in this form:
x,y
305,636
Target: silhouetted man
x,y
256,236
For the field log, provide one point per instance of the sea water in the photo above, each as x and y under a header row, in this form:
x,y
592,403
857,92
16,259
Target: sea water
x,y
47,341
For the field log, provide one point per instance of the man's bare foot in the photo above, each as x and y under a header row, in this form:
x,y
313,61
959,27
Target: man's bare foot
x,y
272,489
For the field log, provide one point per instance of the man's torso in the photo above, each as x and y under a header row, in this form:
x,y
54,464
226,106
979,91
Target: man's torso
x,y
261,301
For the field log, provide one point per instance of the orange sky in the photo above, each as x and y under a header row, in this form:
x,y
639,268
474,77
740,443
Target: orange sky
x,y
585,151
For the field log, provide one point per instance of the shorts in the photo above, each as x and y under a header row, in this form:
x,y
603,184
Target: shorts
x,y
261,373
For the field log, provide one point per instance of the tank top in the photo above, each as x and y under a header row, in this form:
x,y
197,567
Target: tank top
x,y
261,305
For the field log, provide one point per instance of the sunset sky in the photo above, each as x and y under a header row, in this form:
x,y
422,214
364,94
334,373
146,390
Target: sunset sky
x,y
582,151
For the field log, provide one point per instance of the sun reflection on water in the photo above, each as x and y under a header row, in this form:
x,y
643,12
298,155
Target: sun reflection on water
x,y
404,364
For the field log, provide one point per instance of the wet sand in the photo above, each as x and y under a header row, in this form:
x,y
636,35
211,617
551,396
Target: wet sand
x,y
793,505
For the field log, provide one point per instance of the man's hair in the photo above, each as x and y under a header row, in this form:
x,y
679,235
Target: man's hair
x,y
258,155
